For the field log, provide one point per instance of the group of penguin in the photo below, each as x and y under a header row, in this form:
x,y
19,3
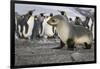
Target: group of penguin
x,y
28,26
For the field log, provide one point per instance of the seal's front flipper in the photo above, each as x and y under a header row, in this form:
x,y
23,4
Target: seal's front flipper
x,y
62,44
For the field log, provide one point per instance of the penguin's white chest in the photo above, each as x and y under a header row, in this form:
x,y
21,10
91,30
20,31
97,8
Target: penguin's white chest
x,y
47,28
90,23
30,23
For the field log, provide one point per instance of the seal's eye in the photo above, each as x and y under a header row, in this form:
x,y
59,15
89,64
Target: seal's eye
x,y
53,20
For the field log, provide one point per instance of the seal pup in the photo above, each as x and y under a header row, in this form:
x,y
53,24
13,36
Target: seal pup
x,y
70,34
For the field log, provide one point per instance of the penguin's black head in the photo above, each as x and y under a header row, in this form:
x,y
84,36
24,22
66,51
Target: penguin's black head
x,y
70,19
62,12
77,17
51,14
87,17
35,16
30,12
41,14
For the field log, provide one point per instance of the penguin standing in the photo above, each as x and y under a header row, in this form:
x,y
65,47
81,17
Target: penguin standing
x,y
78,21
16,27
48,30
35,31
63,13
18,18
40,20
85,23
71,21
24,24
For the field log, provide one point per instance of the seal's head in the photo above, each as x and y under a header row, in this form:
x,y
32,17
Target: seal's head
x,y
53,21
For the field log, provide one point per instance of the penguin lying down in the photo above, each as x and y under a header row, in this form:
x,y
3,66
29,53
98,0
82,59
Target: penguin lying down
x,y
71,34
